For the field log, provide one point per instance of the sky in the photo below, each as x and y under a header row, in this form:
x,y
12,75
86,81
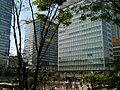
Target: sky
x,y
25,15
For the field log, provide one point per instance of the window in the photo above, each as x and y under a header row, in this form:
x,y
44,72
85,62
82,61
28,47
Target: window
x,y
89,55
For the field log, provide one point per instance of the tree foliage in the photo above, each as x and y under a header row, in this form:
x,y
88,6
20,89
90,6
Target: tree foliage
x,y
108,80
53,13
96,80
99,9
51,19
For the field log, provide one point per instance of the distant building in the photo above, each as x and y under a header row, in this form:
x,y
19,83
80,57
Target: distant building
x,y
50,60
116,41
12,62
5,26
116,49
116,32
28,43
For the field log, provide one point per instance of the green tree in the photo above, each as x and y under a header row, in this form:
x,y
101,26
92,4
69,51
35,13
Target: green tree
x,y
92,79
53,14
108,80
47,78
108,10
30,82
114,78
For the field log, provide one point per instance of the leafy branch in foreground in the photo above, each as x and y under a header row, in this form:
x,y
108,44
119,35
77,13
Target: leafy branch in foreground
x,y
99,9
51,20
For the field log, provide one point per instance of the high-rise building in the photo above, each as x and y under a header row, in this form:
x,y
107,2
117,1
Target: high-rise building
x,y
50,59
12,62
116,41
5,26
28,43
116,32
116,49
85,45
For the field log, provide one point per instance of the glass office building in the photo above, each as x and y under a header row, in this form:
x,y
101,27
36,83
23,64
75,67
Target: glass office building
x,y
28,43
85,45
116,49
50,59
5,26
116,32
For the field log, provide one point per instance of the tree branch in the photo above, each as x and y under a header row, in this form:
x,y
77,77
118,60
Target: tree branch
x,y
115,4
33,20
50,41
42,40
20,7
15,37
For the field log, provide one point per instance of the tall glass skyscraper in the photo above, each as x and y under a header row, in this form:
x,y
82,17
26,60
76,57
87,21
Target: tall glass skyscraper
x,y
28,43
5,26
50,59
85,45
